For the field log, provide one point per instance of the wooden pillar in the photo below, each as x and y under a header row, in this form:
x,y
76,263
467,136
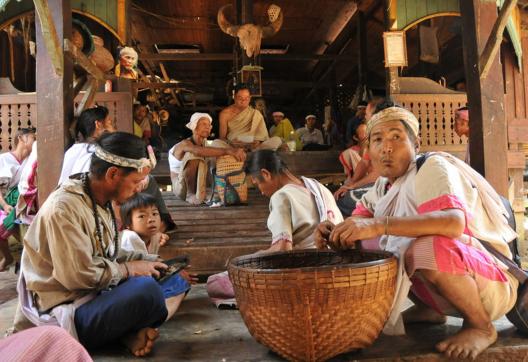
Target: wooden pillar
x,y
54,98
488,132
362,56
392,81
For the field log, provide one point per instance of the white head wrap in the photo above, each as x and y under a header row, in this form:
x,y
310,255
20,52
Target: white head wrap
x,y
195,118
277,114
130,52
394,114
127,162
310,116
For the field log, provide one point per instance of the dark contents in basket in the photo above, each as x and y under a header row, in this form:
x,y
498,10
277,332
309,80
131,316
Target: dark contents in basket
x,y
310,258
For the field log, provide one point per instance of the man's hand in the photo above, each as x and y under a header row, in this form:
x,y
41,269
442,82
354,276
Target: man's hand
x,y
322,234
138,268
341,192
238,153
345,235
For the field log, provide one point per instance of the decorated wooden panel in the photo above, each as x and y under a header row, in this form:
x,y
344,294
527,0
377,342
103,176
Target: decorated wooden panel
x,y
436,114
20,110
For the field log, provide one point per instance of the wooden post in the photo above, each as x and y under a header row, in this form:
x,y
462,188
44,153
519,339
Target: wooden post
x,y
54,97
362,56
392,82
488,132
495,38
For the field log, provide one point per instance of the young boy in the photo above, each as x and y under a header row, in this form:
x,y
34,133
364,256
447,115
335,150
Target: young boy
x,y
142,222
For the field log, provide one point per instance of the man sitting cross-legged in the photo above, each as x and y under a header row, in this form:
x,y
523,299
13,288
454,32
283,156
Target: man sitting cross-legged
x,y
73,272
187,159
243,126
432,219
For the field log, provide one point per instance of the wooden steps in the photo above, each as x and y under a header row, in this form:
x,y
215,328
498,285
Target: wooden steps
x,y
212,236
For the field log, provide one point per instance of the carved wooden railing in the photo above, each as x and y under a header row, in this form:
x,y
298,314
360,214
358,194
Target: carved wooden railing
x,y
20,110
436,113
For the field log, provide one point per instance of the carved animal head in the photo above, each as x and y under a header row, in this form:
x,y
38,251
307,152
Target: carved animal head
x,y
250,35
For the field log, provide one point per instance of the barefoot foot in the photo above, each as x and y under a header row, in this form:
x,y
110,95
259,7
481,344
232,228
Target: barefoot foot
x,y
141,342
469,342
423,314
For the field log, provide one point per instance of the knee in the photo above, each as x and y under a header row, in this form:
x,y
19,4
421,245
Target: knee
x,y
418,254
146,291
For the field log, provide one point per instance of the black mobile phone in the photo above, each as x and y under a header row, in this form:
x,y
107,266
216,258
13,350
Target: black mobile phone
x,y
175,266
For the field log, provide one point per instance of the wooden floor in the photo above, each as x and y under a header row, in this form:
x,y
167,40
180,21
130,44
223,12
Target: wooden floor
x,y
212,236
199,332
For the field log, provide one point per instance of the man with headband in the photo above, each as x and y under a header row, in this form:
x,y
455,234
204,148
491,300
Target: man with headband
x,y
432,218
462,126
72,271
187,159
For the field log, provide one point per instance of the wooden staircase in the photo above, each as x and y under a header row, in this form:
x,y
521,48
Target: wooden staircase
x,y
213,236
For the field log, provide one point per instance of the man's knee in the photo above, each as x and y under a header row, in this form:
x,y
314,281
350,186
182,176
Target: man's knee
x,y
145,291
419,254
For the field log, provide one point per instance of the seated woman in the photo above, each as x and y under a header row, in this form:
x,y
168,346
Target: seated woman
x,y
296,207
11,166
296,204
92,123
360,173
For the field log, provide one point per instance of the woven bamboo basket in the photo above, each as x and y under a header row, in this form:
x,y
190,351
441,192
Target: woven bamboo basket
x,y
312,305
225,165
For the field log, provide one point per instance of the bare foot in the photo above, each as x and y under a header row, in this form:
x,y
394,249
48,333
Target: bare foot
x,y
423,314
141,342
469,342
6,261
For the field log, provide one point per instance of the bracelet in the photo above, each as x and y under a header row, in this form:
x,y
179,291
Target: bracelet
x,y
386,225
127,271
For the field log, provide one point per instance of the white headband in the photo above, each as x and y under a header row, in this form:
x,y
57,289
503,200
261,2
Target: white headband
x,y
310,116
127,162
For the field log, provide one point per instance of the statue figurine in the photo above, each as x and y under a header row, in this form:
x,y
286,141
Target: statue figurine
x,y
128,59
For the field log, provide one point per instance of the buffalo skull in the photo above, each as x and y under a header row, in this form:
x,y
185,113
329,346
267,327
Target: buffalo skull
x,y
250,35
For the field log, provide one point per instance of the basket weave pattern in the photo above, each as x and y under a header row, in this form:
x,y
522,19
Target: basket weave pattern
x,y
225,165
310,305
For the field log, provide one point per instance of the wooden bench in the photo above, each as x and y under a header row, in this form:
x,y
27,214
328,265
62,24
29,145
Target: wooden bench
x,y
321,165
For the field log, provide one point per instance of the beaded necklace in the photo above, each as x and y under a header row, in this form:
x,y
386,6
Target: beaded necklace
x,y
99,235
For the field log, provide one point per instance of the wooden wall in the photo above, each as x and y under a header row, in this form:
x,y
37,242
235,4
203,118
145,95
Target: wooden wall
x,y
516,109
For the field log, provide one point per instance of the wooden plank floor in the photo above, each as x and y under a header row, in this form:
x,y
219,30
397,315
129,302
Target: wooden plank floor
x,y
212,236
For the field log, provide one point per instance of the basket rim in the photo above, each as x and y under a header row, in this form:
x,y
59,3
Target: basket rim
x,y
386,258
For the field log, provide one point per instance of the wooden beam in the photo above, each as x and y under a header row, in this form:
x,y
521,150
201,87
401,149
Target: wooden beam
x,y
82,60
50,36
54,97
153,86
495,38
166,78
88,99
228,57
488,132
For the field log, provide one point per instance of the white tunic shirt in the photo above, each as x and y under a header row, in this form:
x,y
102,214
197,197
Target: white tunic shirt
x,y
10,170
77,159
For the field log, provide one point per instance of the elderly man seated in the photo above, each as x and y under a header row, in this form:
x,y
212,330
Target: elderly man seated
x,y
187,159
311,137
283,129
243,126
433,219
